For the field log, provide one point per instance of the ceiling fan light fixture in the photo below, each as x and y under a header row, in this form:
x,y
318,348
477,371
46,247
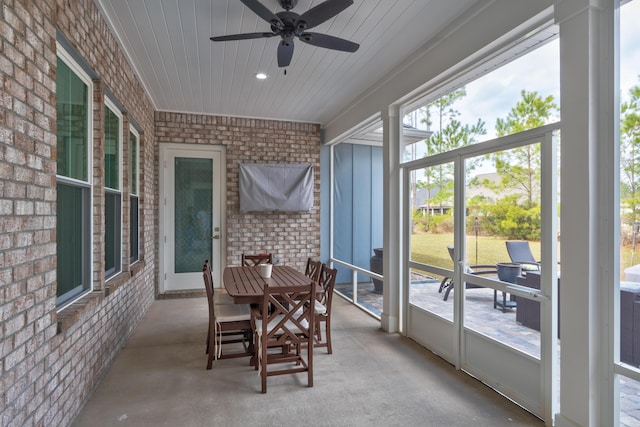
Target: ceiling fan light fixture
x,y
261,76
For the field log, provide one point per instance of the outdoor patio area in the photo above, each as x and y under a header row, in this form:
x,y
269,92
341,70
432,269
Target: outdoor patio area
x,y
483,318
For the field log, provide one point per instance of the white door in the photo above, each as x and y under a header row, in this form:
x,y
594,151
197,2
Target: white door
x,y
192,189
469,327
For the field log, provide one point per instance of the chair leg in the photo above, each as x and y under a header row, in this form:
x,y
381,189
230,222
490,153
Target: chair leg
x,y
447,290
443,284
211,352
310,366
264,362
208,334
328,335
255,360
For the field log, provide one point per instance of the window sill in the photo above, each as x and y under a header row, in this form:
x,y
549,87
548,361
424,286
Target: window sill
x,y
71,314
114,282
136,267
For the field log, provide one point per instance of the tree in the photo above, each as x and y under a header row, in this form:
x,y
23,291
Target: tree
x,y
630,153
516,215
450,134
519,169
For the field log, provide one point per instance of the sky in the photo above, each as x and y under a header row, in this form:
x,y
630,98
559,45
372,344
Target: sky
x,y
493,95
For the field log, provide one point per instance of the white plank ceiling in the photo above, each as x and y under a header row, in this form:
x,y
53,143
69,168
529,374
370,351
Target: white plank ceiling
x,y
167,41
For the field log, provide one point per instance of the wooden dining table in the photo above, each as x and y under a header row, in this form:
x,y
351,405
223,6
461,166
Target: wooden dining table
x,y
246,285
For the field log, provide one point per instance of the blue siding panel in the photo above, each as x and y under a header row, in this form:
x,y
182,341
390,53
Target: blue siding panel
x,y
357,205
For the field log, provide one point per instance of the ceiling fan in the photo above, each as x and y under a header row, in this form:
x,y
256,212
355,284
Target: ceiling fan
x,y
288,25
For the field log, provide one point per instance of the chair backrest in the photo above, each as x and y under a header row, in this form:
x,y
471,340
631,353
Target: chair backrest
x,y
327,282
313,269
450,249
289,320
520,251
253,260
467,267
208,286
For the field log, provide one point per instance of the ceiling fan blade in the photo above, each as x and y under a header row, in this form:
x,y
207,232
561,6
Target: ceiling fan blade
x,y
285,52
323,12
245,36
329,42
264,13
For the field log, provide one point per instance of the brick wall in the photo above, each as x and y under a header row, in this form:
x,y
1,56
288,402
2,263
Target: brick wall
x,y
50,361
291,237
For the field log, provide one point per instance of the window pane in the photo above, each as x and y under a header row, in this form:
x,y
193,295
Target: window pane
x,y
72,124
113,225
480,110
629,211
111,149
629,402
72,233
431,237
133,163
503,205
193,192
134,251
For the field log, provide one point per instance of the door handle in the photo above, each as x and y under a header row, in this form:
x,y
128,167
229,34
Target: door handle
x,y
217,236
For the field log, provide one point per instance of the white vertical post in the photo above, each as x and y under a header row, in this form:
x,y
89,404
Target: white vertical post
x,y
586,87
354,282
392,236
549,274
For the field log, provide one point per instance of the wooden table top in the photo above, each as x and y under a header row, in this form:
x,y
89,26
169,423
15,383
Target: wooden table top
x,y
245,285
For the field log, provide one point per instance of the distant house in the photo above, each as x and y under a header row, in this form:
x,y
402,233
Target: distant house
x,y
423,195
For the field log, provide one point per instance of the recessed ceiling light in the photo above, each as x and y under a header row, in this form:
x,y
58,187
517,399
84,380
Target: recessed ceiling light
x,y
261,76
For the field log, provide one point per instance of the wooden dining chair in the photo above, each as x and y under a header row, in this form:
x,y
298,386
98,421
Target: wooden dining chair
x,y
312,269
219,296
326,282
228,323
253,260
288,328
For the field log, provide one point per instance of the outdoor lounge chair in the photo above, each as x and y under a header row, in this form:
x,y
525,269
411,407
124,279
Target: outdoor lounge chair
x,y
520,253
479,269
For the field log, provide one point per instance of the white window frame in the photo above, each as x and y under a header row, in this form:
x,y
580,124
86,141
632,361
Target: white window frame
x,y
136,192
66,57
108,103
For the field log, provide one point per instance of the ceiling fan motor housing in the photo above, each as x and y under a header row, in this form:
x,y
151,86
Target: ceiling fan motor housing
x,y
288,4
289,24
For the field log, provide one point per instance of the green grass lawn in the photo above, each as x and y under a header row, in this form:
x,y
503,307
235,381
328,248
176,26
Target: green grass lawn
x,y
432,249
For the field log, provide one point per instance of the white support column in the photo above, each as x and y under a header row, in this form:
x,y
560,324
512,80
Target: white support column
x,y
583,73
392,237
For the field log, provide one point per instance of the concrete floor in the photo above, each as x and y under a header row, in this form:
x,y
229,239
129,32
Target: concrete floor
x,y
372,379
